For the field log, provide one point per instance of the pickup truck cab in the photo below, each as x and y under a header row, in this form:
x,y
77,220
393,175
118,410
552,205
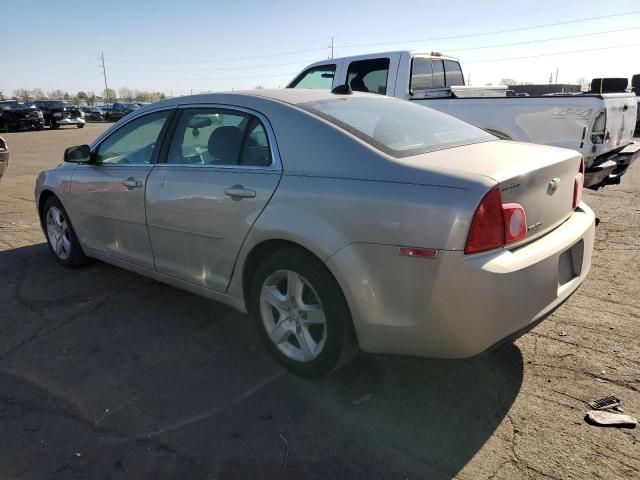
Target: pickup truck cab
x,y
58,113
599,126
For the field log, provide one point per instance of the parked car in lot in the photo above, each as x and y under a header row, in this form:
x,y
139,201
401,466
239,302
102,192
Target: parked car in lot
x,y
119,110
340,222
17,116
58,113
92,114
4,156
598,125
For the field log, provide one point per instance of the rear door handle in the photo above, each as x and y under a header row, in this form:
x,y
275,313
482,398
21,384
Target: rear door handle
x,y
132,183
238,192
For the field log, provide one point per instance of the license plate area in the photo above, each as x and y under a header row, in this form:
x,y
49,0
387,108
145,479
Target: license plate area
x,y
570,263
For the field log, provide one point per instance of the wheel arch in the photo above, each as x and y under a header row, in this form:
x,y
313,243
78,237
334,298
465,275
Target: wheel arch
x,y
45,195
262,250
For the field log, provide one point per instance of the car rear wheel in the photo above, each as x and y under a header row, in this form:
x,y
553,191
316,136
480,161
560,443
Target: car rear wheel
x,y
80,125
61,237
53,125
302,314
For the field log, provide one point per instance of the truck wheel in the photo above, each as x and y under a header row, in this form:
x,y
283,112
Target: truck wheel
x,y
54,125
80,125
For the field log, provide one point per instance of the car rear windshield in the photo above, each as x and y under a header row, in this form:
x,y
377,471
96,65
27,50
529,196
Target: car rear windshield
x,y
398,128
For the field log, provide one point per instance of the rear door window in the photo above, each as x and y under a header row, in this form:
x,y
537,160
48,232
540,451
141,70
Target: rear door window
x,y
369,75
320,77
453,73
421,74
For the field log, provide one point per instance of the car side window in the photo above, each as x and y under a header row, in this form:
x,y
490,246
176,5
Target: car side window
x,y
219,137
369,75
134,142
453,73
320,77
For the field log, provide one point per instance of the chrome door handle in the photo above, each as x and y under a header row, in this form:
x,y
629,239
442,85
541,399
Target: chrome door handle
x,y
132,183
238,192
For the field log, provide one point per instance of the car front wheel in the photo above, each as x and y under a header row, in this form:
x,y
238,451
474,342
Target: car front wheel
x,y
302,314
61,237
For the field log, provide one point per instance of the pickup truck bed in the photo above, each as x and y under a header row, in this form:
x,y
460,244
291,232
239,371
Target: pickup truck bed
x,y
599,126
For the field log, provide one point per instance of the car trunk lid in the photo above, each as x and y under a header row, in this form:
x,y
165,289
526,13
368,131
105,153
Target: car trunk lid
x,y
539,178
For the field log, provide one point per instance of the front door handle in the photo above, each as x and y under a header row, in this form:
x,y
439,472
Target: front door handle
x,y
132,183
238,192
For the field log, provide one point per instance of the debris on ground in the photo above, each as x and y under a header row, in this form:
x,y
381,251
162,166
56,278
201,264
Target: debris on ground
x,y
610,419
563,333
362,399
604,403
286,456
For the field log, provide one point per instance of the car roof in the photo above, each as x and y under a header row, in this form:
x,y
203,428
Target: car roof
x,y
291,96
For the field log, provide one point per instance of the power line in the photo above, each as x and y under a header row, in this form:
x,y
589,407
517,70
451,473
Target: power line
x,y
542,40
495,32
225,68
555,53
222,60
251,67
257,77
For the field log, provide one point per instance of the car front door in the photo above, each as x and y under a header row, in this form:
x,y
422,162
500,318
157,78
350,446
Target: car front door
x,y
209,187
108,193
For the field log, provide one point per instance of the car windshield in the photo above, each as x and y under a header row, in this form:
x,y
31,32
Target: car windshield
x,y
397,127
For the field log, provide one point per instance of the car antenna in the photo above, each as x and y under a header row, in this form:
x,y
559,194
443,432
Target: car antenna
x,y
342,90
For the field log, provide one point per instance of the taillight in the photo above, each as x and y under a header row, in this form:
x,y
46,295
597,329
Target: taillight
x,y
577,185
515,222
495,224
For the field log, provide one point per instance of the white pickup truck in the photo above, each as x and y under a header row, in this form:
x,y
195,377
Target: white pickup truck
x,y
598,125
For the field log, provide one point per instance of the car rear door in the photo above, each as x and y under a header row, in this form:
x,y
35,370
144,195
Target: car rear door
x,y
108,205
214,178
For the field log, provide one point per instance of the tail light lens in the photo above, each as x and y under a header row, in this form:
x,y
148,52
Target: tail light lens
x,y
599,128
495,224
577,185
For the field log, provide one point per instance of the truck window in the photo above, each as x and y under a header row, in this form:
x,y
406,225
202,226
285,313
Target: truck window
x,y
369,75
320,77
421,74
453,73
438,74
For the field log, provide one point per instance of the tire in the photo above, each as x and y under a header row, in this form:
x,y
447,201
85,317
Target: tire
x,y
53,125
310,332
80,125
61,237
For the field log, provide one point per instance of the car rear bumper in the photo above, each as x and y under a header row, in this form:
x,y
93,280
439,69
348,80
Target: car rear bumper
x,y
457,305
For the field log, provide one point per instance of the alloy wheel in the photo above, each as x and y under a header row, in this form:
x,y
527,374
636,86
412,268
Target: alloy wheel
x,y
293,316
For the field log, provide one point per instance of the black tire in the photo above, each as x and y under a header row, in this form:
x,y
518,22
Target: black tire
x,y
53,125
76,257
341,345
80,125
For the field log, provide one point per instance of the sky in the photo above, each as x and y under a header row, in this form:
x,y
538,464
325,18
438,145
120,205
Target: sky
x,y
179,47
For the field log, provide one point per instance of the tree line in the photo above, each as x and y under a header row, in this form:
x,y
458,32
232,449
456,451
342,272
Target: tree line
x,y
108,95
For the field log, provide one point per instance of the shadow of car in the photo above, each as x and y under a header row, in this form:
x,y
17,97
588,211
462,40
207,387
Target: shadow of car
x,y
138,370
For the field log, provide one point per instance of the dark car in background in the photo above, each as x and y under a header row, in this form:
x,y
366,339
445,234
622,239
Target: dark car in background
x,y
4,156
119,110
16,116
58,112
93,114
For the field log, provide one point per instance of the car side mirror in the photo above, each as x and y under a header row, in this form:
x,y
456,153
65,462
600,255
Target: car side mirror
x,y
78,154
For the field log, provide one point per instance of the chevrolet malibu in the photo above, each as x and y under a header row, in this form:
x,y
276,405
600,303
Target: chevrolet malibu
x,y
339,221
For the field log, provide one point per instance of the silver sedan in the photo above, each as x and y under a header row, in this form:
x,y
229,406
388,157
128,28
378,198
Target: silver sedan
x,y
340,222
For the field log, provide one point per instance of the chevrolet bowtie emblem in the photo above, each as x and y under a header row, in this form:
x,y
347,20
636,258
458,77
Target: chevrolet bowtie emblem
x,y
553,186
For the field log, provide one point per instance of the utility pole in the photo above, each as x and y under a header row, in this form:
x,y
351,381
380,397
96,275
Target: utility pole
x,y
550,78
331,47
469,79
556,76
104,72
